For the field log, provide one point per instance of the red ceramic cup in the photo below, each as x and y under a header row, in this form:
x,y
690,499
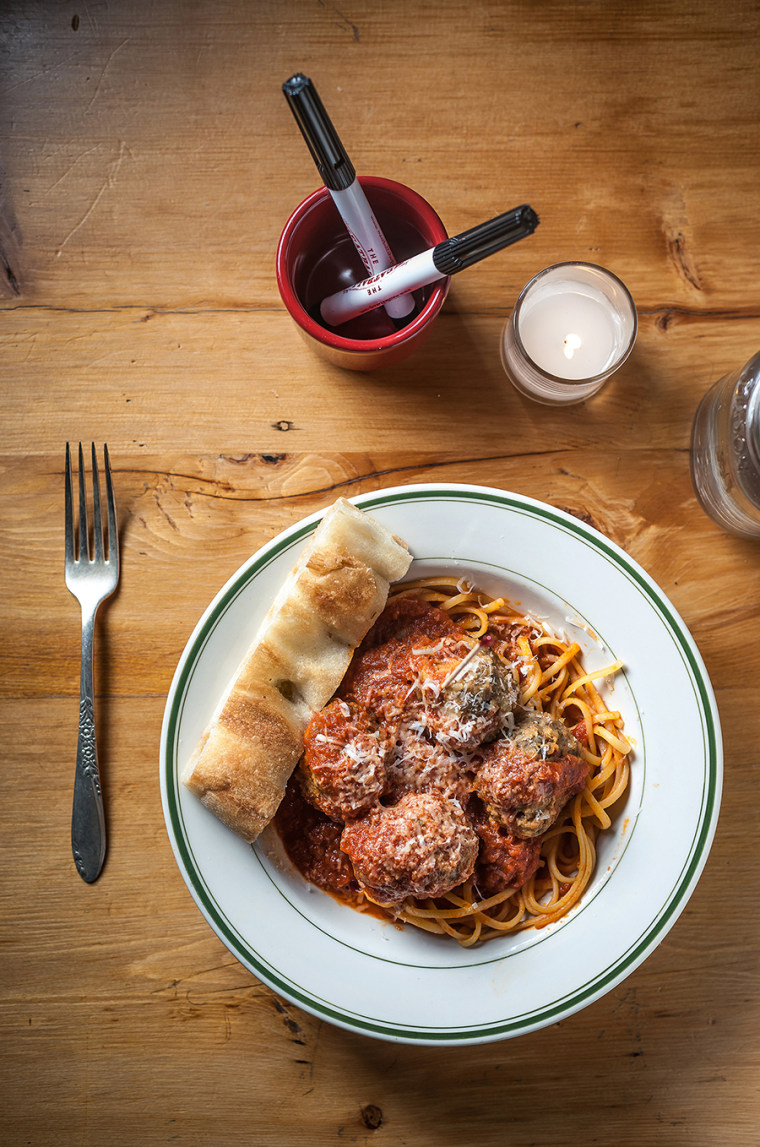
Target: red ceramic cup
x,y
316,257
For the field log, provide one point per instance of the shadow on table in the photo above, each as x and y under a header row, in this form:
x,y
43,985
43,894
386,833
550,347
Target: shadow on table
x,y
457,379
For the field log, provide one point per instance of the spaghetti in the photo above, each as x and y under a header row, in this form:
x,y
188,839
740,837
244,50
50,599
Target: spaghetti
x,y
547,676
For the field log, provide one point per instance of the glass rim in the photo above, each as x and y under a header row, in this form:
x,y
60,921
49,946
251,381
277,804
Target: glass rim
x,y
752,426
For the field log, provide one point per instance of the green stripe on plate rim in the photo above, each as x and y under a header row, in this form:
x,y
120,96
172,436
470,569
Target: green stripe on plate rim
x,y
626,962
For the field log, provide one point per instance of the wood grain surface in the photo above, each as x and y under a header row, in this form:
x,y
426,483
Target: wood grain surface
x,y
147,165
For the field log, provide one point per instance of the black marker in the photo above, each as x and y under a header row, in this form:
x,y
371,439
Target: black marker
x,y
339,177
445,258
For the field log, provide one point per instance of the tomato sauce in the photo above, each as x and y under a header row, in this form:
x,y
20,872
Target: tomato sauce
x,y
312,841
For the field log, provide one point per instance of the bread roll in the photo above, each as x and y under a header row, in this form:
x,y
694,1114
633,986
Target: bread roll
x,y
299,656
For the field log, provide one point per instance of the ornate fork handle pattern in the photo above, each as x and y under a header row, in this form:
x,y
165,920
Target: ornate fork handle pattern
x,y
87,745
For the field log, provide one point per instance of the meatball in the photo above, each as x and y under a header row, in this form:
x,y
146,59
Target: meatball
x,y
422,846
526,780
505,860
419,764
377,682
379,676
405,617
542,735
342,771
462,702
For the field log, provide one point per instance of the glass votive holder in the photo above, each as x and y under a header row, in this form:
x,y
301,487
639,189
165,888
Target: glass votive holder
x,y
573,326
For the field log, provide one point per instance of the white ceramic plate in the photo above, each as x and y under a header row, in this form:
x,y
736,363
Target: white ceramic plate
x,y
406,985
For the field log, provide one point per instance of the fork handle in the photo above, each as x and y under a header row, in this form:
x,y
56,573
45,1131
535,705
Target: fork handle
x,y
88,824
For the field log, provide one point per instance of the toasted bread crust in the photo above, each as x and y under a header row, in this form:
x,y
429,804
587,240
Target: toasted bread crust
x,y
330,599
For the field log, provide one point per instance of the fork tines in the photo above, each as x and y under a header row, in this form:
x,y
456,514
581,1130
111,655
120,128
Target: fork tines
x,y
82,552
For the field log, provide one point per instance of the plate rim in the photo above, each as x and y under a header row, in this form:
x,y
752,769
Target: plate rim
x,y
624,963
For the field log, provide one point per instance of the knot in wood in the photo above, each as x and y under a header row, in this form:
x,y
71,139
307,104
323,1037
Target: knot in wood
x,y
372,1116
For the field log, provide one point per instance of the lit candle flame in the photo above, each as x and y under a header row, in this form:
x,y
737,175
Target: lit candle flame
x,y
571,345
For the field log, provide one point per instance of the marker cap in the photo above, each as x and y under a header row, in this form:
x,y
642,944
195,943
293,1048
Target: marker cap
x,y
471,246
323,142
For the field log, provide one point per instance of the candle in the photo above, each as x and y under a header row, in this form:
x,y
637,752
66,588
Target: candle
x,y
572,327
569,330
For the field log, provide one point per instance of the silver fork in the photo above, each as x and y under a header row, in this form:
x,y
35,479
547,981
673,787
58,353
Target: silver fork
x,y
91,579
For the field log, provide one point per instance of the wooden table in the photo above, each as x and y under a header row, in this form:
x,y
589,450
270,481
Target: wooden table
x,y
148,164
